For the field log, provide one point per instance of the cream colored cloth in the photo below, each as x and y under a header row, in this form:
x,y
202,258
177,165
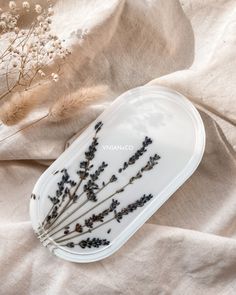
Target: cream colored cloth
x,y
188,246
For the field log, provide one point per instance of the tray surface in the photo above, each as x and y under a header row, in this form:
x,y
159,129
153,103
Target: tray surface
x,y
120,170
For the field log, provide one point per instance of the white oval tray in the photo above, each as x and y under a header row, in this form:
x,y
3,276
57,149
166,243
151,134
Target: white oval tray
x,y
147,144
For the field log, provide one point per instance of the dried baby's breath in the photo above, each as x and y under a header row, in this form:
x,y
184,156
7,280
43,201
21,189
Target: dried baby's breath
x,y
27,53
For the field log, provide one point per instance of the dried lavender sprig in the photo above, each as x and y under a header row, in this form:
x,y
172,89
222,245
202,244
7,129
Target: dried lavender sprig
x,y
95,175
89,156
88,231
153,160
61,193
89,222
118,215
150,164
89,243
83,173
76,209
147,141
91,186
91,183
147,167
132,207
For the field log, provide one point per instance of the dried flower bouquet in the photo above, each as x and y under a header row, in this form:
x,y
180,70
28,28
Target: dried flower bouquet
x,y
25,57
32,58
66,221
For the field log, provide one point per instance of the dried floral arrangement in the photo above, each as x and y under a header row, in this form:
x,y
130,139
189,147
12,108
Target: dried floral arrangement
x,y
26,56
31,59
66,222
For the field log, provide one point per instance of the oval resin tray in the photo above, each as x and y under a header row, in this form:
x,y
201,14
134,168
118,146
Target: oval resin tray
x,y
119,171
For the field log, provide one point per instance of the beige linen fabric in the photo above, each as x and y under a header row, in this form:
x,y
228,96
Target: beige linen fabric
x,y
188,246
